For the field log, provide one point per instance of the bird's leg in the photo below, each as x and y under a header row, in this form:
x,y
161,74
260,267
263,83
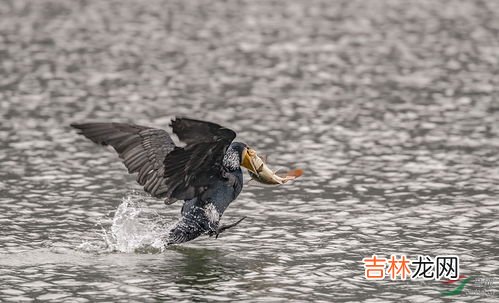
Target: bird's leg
x,y
227,226
224,227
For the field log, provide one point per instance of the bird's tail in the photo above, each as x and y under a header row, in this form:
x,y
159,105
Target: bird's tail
x,y
187,229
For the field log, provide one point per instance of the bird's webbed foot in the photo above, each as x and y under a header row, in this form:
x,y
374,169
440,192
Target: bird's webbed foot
x,y
224,227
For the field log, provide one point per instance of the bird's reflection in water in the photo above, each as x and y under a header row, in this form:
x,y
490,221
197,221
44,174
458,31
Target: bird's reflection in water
x,y
201,266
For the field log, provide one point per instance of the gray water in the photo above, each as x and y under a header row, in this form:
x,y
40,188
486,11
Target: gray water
x,y
390,107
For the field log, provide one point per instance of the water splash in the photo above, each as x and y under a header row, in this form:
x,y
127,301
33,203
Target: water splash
x,y
134,228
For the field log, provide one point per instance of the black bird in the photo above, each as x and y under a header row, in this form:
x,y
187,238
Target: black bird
x,y
205,173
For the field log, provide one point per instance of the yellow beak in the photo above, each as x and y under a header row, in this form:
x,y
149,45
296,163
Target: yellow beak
x,y
247,157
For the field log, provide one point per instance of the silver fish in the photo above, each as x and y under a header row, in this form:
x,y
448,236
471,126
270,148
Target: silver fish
x,y
259,170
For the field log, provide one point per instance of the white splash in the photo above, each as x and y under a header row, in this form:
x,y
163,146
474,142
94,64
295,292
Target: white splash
x,y
135,228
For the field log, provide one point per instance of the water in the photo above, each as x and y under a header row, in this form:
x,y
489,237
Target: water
x,y
390,107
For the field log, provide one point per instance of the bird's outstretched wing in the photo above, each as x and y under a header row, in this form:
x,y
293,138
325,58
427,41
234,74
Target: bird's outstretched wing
x,y
143,150
193,131
190,169
164,169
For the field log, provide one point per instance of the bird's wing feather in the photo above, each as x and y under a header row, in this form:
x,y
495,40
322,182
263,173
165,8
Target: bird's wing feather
x,y
190,169
193,131
143,150
164,169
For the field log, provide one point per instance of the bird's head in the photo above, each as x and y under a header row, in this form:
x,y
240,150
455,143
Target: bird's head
x,y
238,154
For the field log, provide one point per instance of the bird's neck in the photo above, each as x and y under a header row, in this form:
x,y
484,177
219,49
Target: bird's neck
x,y
231,160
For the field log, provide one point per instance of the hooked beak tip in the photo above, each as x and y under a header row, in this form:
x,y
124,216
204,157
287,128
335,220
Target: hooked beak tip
x,y
247,159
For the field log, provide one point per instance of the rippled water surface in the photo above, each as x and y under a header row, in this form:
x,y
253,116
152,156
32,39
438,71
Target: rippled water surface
x,y
390,107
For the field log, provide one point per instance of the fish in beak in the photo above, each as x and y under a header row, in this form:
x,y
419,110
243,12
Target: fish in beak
x,y
260,172
248,159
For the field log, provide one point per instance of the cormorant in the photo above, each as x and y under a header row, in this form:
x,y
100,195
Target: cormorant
x,y
205,173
